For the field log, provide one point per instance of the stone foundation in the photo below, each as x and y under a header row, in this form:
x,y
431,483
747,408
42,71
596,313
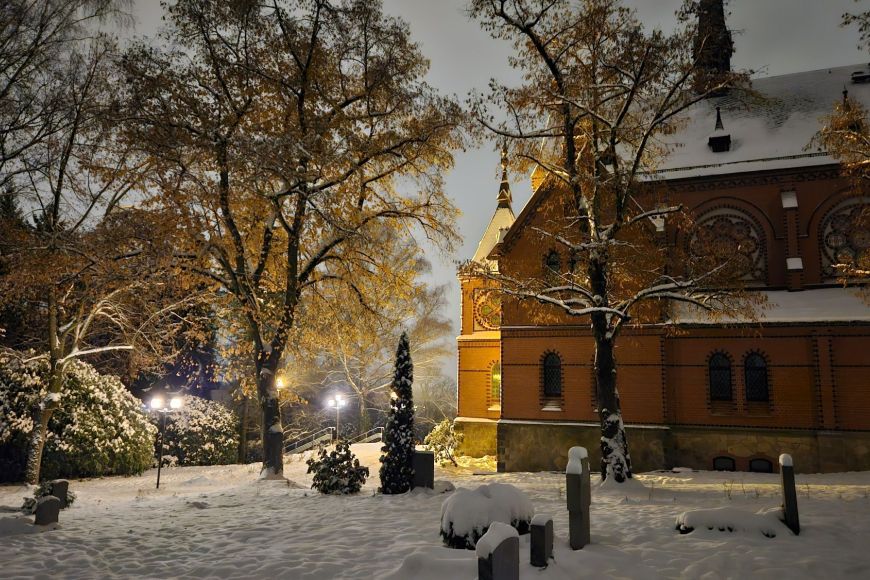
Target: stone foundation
x,y
539,446
479,436
543,446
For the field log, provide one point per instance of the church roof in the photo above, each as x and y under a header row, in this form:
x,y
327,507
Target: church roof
x,y
771,131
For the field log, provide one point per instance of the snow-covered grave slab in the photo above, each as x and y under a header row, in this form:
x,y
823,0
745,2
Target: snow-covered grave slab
x,y
728,519
498,553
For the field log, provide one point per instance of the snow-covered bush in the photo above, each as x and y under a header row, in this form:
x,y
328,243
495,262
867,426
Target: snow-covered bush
x,y
443,440
467,514
43,489
337,472
99,429
201,433
397,471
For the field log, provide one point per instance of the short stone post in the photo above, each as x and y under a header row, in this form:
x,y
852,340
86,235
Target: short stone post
x,y
498,553
579,492
47,510
59,489
424,469
789,493
541,545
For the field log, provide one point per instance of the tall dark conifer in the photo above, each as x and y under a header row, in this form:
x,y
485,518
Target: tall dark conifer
x,y
398,449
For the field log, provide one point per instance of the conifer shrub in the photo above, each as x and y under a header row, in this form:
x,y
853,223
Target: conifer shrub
x,y
202,432
337,472
99,429
443,440
397,453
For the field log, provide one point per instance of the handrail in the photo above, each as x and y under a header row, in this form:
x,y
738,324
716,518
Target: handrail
x,y
309,439
367,436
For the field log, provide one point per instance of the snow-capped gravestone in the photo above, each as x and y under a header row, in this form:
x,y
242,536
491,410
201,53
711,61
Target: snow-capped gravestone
x,y
789,494
47,510
424,469
60,490
541,545
498,553
579,492
468,513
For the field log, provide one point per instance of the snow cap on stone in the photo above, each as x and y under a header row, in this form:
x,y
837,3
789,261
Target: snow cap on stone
x,y
785,460
492,539
575,457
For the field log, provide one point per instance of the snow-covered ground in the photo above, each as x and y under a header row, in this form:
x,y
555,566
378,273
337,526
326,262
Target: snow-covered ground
x,y
221,522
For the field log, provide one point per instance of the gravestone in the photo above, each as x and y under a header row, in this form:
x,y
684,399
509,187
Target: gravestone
x,y
47,510
59,489
498,553
789,494
541,545
424,469
579,492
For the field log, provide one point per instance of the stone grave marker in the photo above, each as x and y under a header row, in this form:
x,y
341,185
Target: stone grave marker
x,y
789,493
424,469
59,489
541,545
498,553
47,510
579,492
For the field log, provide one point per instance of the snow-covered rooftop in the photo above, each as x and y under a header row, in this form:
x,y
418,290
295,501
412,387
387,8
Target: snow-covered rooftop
x,y
819,305
501,221
770,130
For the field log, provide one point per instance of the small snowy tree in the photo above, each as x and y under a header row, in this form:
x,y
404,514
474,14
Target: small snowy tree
x,y
398,450
202,433
443,440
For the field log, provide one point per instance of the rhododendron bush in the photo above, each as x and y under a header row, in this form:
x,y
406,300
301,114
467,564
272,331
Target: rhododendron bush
x,y
201,433
99,429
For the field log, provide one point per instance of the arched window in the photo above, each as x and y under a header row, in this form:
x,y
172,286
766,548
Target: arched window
x,y
755,377
720,378
495,383
552,374
552,262
724,464
761,466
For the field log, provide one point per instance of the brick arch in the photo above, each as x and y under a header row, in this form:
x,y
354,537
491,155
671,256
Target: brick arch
x,y
820,224
762,231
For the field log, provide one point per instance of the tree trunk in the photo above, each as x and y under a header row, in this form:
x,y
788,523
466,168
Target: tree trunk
x,y
364,421
49,404
273,433
615,460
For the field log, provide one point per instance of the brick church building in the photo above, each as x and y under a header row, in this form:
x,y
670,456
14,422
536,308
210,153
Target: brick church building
x,y
729,395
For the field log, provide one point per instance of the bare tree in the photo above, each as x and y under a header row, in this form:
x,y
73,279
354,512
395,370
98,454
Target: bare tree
x,y
598,94
82,258
283,136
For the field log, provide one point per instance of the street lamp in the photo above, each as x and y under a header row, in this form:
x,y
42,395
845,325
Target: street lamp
x,y
338,402
158,405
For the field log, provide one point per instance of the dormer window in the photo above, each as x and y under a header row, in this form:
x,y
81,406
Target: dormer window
x,y
719,141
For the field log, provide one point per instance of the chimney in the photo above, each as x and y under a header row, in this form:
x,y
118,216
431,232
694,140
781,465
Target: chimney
x,y
713,46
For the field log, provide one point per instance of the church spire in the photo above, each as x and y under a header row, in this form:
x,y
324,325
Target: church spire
x,y
713,45
504,191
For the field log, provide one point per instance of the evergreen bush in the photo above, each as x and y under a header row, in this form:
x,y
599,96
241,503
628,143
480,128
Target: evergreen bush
x,y
99,429
397,455
337,472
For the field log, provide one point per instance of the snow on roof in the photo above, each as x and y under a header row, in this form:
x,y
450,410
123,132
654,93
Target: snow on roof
x,y
502,220
819,305
768,131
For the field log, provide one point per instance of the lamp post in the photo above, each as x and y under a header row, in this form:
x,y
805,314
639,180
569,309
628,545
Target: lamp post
x,y
158,405
338,402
